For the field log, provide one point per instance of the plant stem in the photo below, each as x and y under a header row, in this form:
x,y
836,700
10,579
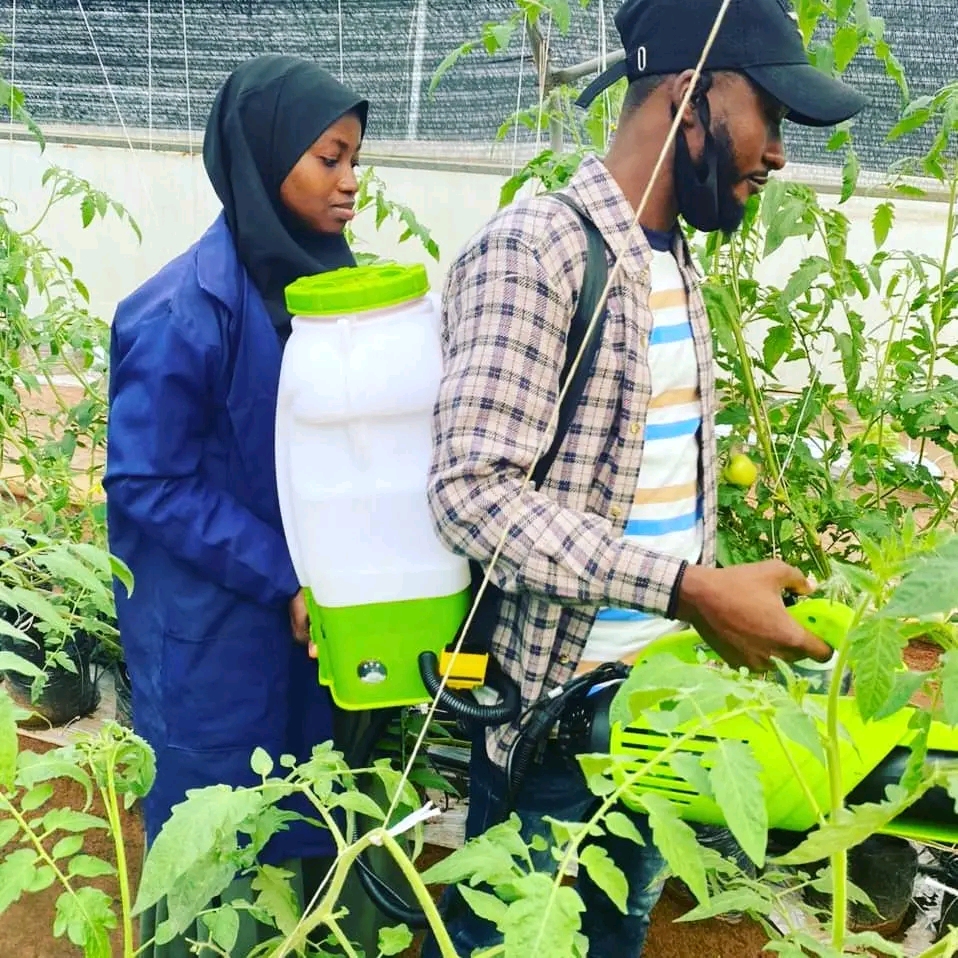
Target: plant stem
x,y
422,895
51,199
326,906
950,229
878,395
328,819
934,522
341,937
325,910
944,948
43,853
833,752
764,433
123,877
796,771
629,779
839,863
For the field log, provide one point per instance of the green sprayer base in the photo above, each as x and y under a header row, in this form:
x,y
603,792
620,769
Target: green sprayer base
x,y
368,654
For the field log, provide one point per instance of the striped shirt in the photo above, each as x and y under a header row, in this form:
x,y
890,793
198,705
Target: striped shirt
x,y
507,303
666,513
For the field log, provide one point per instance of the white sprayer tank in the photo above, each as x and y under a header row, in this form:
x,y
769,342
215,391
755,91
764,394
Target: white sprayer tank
x,y
358,385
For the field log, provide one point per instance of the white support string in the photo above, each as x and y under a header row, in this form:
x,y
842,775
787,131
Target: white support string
x,y
149,72
417,33
515,130
404,97
342,57
549,431
13,69
106,76
603,66
116,106
186,73
543,69
189,111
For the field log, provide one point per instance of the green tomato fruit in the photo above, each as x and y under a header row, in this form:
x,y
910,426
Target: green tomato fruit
x,y
741,471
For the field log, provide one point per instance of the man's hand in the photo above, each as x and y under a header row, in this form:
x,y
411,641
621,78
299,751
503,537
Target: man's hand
x,y
299,622
739,611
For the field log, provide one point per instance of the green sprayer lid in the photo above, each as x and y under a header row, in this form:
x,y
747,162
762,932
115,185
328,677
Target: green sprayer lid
x,y
356,289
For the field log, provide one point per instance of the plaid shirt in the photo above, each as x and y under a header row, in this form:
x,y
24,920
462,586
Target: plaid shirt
x,y
507,305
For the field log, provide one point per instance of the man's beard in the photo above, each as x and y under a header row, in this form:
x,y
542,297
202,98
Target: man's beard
x,y
705,191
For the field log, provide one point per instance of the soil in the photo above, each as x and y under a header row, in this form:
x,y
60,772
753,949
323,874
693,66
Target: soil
x,y
922,656
41,408
714,938
26,928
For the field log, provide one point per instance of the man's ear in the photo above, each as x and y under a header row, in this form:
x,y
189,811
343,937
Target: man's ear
x,y
679,87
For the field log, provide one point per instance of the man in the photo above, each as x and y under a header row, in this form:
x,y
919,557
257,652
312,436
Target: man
x,y
618,545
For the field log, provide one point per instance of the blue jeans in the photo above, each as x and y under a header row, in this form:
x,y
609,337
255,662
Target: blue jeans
x,y
552,788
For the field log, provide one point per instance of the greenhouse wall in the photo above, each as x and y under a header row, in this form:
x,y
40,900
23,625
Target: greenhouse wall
x,y
155,64
169,195
122,88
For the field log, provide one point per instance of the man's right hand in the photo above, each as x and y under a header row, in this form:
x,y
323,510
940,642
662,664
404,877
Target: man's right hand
x,y
740,613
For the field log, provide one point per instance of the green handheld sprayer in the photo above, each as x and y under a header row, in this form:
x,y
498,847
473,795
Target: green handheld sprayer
x,y
873,754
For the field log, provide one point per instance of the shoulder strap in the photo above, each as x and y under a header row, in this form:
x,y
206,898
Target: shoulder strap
x,y
593,283
596,275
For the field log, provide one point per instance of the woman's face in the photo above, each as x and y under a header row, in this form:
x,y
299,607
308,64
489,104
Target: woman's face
x,y
321,188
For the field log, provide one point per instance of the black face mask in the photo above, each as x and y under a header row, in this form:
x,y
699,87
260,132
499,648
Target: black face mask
x,y
704,190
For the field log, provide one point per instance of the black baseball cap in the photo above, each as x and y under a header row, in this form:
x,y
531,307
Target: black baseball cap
x,y
759,38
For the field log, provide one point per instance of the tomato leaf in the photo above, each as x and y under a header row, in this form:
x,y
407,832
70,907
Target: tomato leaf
x,y
931,590
606,875
276,897
853,827
484,905
86,918
622,826
223,924
736,782
88,866
676,841
882,220
875,651
67,846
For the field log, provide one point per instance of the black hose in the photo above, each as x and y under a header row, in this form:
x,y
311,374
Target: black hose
x,y
548,711
388,900
519,761
381,894
466,707
528,742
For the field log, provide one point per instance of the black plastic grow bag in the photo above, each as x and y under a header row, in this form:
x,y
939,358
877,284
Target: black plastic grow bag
x,y
66,695
124,695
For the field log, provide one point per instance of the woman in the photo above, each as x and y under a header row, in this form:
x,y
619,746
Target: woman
x,y
210,632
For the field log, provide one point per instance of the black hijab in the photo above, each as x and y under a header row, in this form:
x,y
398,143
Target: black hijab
x,y
264,118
